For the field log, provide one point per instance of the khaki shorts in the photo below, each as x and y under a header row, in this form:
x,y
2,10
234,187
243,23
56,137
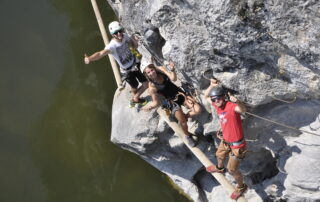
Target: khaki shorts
x,y
235,155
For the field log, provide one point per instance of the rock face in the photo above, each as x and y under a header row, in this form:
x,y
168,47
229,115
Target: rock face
x,y
262,51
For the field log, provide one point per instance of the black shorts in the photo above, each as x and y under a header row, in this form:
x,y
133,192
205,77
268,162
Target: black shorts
x,y
134,77
174,104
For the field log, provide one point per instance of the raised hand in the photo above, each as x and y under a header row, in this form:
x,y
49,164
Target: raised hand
x,y
214,82
171,66
86,59
232,98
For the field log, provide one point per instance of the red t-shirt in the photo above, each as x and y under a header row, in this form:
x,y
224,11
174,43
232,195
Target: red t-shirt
x,y
230,122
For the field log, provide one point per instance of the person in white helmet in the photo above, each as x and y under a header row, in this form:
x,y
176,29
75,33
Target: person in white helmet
x,y
161,84
119,47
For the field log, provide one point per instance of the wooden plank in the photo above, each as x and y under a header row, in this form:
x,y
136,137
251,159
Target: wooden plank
x,y
106,42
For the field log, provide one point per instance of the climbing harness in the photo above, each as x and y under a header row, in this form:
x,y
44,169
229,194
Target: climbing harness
x,y
238,143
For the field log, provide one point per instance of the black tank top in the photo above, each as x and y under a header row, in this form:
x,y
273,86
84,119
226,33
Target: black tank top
x,y
168,89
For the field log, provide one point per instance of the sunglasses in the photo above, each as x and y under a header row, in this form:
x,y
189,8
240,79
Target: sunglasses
x,y
215,98
117,32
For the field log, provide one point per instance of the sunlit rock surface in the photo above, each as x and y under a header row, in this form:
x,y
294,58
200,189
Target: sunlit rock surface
x,y
262,51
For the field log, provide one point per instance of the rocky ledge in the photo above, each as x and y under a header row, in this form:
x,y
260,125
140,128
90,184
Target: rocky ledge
x,y
261,50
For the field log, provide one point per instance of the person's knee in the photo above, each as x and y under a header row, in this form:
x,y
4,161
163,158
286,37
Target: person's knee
x,y
145,84
134,90
233,164
197,109
220,158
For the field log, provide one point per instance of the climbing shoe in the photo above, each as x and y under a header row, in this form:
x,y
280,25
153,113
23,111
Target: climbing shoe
x,y
190,141
215,169
141,102
239,192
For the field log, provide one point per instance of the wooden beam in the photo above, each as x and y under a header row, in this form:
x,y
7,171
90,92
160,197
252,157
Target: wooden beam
x,y
106,42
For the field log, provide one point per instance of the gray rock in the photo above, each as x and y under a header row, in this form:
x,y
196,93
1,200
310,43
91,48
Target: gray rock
x,y
262,51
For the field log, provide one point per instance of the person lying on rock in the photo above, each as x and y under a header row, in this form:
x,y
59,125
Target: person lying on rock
x,y
161,83
120,48
232,142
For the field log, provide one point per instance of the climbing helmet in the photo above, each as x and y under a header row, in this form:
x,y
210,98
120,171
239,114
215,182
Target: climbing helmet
x,y
115,27
216,93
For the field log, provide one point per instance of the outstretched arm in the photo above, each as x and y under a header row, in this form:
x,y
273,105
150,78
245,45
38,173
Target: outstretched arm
x,y
96,56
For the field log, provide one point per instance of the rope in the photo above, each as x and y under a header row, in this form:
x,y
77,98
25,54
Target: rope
x,y
281,124
285,101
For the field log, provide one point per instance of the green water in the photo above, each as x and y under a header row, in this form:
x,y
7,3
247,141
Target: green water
x,y
55,112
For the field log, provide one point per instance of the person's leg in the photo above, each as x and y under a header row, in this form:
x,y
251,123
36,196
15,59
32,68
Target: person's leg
x,y
132,81
233,168
234,163
237,175
134,91
142,79
140,91
221,154
180,116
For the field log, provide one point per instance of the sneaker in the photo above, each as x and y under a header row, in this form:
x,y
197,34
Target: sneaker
x,y
190,141
214,169
239,192
141,102
132,104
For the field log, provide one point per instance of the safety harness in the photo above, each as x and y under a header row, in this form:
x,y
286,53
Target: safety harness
x,y
238,143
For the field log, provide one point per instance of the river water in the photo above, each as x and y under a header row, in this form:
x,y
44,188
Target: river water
x,y
55,112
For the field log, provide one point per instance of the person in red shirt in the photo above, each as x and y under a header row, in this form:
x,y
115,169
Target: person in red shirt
x,y
232,142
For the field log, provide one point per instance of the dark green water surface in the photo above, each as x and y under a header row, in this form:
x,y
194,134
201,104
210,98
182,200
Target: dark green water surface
x,y
55,112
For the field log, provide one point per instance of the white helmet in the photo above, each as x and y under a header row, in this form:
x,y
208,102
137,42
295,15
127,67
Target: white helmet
x,y
144,63
114,27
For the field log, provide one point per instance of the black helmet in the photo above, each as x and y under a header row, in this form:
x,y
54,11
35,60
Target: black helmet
x,y
217,92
